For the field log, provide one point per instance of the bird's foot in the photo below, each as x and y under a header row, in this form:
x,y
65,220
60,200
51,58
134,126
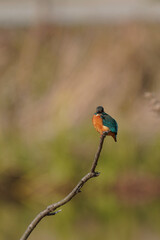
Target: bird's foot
x,y
106,133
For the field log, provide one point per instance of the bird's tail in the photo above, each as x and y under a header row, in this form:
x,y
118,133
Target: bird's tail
x,y
114,135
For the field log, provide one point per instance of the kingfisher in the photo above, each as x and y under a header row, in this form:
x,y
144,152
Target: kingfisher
x,y
104,123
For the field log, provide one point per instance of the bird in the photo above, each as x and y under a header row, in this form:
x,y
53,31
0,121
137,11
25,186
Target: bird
x,y
104,123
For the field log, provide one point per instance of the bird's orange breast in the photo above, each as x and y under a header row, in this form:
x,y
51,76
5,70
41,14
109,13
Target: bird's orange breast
x,y
98,124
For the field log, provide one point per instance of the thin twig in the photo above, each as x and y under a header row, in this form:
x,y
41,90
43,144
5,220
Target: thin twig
x,y
98,153
50,210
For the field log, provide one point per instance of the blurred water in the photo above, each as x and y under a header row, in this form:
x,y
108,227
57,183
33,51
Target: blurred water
x,y
24,13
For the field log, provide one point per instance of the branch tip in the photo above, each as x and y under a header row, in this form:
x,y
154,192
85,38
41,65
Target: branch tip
x,y
53,213
96,174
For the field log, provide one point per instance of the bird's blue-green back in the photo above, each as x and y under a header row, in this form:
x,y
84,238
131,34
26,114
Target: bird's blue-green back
x,y
108,121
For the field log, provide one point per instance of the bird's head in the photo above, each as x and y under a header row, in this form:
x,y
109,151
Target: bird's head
x,y
99,109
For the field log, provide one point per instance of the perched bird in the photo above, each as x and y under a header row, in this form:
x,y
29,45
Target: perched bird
x,y
104,123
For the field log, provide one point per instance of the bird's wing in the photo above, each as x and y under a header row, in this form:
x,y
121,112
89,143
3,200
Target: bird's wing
x,y
108,121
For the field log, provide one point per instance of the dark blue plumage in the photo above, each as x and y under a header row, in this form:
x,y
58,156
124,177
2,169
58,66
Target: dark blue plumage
x,y
108,121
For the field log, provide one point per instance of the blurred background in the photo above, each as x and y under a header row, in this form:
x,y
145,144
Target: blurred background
x,y
59,60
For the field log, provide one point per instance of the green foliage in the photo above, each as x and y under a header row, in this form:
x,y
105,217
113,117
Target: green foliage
x,y
50,169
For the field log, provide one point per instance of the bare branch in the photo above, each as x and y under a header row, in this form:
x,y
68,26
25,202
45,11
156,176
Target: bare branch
x,y
97,154
50,210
